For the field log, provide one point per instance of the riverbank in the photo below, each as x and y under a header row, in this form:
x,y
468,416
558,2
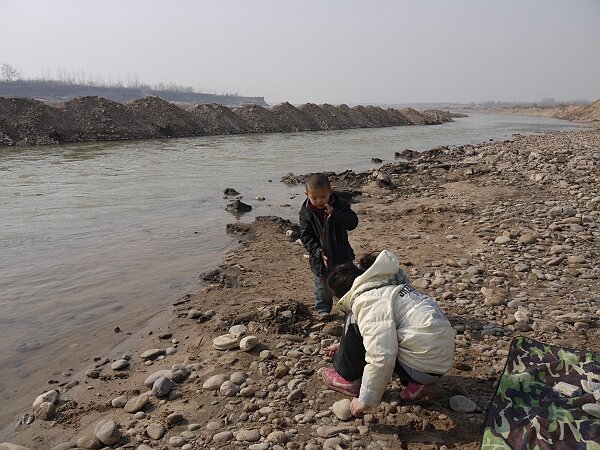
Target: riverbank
x,y
88,119
503,234
577,113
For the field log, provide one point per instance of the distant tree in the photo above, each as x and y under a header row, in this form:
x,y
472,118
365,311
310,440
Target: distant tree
x,y
10,73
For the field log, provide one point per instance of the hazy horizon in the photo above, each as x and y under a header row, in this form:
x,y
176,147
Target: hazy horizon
x,y
387,52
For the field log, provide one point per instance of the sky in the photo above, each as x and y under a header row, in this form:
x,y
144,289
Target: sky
x,y
334,51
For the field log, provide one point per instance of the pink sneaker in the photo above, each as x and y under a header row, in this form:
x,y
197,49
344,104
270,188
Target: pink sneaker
x,y
414,392
335,381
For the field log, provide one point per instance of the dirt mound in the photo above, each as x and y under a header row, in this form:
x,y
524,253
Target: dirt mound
x,y
260,120
219,119
31,122
339,115
414,116
398,118
325,119
167,119
356,117
99,119
380,116
294,118
436,116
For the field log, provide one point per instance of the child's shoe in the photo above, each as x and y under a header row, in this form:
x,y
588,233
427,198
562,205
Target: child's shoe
x,y
335,381
415,391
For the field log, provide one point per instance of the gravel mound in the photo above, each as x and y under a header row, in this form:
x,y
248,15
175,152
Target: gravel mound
x,y
356,117
99,119
219,119
325,118
294,118
31,122
167,119
260,120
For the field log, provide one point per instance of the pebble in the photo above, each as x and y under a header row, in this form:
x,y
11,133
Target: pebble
x,y
120,364
330,431
155,431
248,343
49,396
153,353
176,441
261,446
175,418
45,411
119,402
222,437
136,403
214,383
229,389
248,435
149,381
226,341
108,432
341,409
162,386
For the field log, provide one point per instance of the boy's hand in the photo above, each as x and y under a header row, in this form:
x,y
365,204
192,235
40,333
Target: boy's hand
x,y
328,210
325,260
358,408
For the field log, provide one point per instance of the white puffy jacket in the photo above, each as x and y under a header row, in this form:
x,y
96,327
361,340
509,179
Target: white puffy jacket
x,y
396,321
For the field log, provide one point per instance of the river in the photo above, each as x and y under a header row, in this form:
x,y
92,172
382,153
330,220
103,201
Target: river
x,y
99,235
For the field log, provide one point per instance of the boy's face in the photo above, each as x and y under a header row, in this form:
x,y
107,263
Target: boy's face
x,y
319,197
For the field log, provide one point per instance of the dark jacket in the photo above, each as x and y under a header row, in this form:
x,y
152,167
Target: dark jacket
x,y
336,247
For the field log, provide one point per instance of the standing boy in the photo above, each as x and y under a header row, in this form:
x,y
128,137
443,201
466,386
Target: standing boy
x,y
325,220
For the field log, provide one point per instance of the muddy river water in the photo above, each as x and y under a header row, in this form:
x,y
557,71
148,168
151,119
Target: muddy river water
x,y
99,235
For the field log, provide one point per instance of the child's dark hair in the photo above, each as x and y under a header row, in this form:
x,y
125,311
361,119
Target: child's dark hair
x,y
341,277
317,181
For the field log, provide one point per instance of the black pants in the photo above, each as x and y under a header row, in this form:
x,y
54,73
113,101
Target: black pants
x,y
349,360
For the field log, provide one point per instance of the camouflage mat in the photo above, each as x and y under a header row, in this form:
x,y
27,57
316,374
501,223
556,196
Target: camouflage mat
x,y
526,413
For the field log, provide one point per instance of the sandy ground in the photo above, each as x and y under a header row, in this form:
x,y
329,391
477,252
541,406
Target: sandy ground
x,y
505,235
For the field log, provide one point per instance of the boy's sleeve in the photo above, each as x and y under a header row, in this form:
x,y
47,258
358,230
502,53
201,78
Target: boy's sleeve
x,y
381,346
345,217
307,235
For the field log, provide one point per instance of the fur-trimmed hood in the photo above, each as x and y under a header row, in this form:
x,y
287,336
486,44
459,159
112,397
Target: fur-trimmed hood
x,y
385,271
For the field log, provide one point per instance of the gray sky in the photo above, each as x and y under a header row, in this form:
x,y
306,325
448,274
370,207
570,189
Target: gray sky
x,y
332,51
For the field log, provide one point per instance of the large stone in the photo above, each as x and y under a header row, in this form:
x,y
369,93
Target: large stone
x,y
89,442
120,364
215,382
238,207
341,409
248,435
136,403
45,411
49,396
108,432
248,343
222,437
149,382
153,353
155,431
229,389
461,403
226,341
162,386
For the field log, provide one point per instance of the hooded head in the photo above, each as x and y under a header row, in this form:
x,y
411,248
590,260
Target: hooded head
x,y
348,281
